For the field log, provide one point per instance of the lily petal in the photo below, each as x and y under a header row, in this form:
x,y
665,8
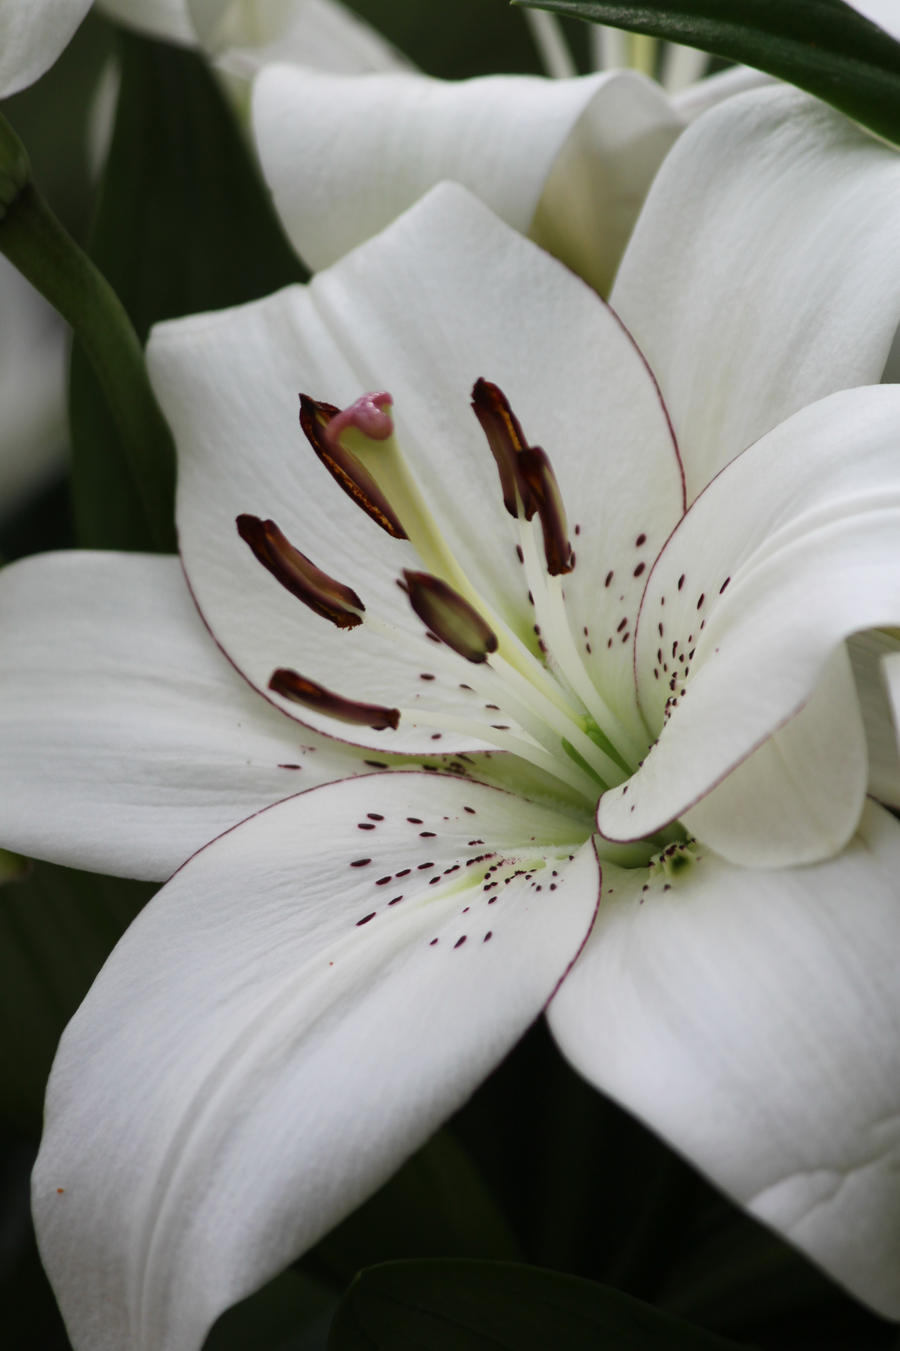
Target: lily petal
x,y
799,796
569,161
787,552
697,98
775,289
383,317
303,1028
245,36
876,670
128,740
32,35
882,12
753,1020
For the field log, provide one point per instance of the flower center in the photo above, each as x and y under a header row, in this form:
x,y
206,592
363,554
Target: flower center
x,y
541,701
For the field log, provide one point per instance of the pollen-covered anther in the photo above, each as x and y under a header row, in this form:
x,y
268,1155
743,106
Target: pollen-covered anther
x,y
535,467
290,685
446,613
369,417
507,442
299,575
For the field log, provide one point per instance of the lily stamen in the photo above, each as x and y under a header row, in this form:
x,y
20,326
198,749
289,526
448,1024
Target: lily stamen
x,y
448,615
300,690
299,575
344,467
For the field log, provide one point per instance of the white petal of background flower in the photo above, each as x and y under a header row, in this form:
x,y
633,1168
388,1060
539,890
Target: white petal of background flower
x,y
779,297
786,553
569,160
294,1046
886,13
172,746
733,1012
245,35
697,98
384,316
32,35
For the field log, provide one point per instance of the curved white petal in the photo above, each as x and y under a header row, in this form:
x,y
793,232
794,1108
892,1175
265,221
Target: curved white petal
x,y
127,740
876,670
32,35
798,797
568,160
883,12
245,35
280,1029
697,98
765,271
167,19
790,549
32,389
753,1020
386,317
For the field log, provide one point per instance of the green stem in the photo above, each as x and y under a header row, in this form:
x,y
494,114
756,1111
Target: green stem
x,y
36,243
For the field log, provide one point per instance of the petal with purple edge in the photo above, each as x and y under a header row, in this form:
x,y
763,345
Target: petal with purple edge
x,y
384,317
290,1018
764,272
753,1020
127,740
788,551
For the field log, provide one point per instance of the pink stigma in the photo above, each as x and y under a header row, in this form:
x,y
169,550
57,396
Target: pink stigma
x,y
369,414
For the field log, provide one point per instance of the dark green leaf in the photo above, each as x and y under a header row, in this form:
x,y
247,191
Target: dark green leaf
x,y
184,224
291,1313
496,1306
469,37
437,1205
822,46
56,929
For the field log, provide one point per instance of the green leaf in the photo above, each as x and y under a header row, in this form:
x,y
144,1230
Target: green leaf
x,y
496,1306
822,46
469,37
184,224
437,1205
291,1313
57,927
36,243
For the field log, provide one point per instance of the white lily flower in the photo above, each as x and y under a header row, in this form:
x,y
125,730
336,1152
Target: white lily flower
x,y
319,987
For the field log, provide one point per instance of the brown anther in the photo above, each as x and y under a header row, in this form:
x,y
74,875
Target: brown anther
x,y
536,469
299,575
344,467
507,441
450,616
290,685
